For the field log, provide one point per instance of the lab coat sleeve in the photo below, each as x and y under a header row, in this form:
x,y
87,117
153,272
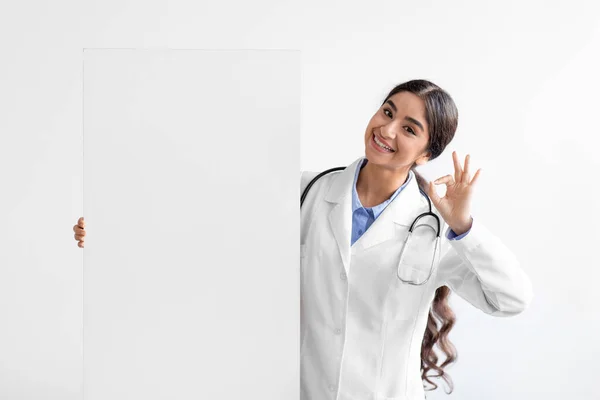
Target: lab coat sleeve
x,y
305,177
484,272
451,235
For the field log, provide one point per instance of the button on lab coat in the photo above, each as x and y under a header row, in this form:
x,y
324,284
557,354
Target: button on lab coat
x,y
361,327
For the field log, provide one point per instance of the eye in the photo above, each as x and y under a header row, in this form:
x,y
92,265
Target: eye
x,y
390,115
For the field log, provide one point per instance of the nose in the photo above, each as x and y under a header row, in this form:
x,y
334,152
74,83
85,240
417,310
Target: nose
x,y
387,134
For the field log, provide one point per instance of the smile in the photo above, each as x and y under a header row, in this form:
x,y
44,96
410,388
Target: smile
x,y
380,146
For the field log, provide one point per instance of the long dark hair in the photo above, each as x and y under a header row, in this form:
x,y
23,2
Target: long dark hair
x,y
441,116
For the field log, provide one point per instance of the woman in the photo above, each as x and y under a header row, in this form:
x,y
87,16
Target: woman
x,y
365,334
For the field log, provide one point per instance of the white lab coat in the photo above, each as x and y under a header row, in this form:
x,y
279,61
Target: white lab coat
x,y
362,328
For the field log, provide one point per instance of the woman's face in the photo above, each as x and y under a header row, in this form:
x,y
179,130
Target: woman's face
x,y
400,122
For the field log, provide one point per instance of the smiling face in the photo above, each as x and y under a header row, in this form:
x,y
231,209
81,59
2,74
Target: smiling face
x,y
400,125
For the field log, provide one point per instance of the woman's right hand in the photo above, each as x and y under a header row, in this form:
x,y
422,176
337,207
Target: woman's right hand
x,y
80,232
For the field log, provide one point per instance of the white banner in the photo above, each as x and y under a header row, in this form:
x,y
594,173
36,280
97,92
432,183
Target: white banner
x,y
191,203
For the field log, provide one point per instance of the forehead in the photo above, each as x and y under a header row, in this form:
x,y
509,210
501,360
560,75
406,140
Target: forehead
x,y
409,104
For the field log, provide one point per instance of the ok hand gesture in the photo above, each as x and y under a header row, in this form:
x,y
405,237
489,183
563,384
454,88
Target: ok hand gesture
x,y
455,206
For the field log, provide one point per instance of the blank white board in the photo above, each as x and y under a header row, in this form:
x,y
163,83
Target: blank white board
x,y
191,201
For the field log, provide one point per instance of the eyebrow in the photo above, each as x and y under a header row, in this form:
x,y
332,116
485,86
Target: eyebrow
x,y
411,119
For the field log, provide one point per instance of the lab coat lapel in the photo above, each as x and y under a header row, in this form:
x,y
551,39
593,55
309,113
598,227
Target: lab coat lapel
x,y
401,211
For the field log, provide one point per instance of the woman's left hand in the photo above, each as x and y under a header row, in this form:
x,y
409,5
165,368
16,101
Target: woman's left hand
x,y
455,206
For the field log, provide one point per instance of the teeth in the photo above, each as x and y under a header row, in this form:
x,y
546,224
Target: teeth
x,y
381,144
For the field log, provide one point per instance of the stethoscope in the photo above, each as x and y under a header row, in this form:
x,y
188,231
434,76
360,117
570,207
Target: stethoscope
x,y
410,231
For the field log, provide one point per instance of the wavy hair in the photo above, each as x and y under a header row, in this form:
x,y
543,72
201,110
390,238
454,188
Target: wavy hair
x,y
441,116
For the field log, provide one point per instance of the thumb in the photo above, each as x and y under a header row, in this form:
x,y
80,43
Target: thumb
x,y
433,193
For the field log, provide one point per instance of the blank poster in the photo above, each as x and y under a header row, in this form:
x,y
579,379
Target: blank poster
x,y
191,201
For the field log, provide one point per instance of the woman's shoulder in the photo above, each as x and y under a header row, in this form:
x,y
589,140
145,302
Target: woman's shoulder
x,y
307,176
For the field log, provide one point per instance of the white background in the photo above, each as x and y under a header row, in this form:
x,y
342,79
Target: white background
x,y
524,77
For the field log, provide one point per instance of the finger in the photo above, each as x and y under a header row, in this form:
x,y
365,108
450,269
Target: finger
x,y
465,175
80,244
447,179
457,167
433,194
79,237
476,176
79,230
81,222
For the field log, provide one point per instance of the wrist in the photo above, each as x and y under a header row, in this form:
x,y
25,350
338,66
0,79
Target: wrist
x,y
462,227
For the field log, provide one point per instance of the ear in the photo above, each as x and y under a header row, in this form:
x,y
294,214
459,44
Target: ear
x,y
423,158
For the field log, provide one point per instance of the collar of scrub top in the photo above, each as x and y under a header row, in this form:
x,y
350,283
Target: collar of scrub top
x,y
375,210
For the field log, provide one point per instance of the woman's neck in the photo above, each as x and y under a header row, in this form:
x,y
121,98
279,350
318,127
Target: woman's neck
x,y
376,184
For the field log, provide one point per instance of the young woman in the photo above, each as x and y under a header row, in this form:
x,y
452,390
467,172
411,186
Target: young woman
x,y
366,334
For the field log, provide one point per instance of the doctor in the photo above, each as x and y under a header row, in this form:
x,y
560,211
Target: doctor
x,y
365,334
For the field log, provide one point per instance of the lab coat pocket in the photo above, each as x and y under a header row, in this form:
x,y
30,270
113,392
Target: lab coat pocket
x,y
419,255
402,300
